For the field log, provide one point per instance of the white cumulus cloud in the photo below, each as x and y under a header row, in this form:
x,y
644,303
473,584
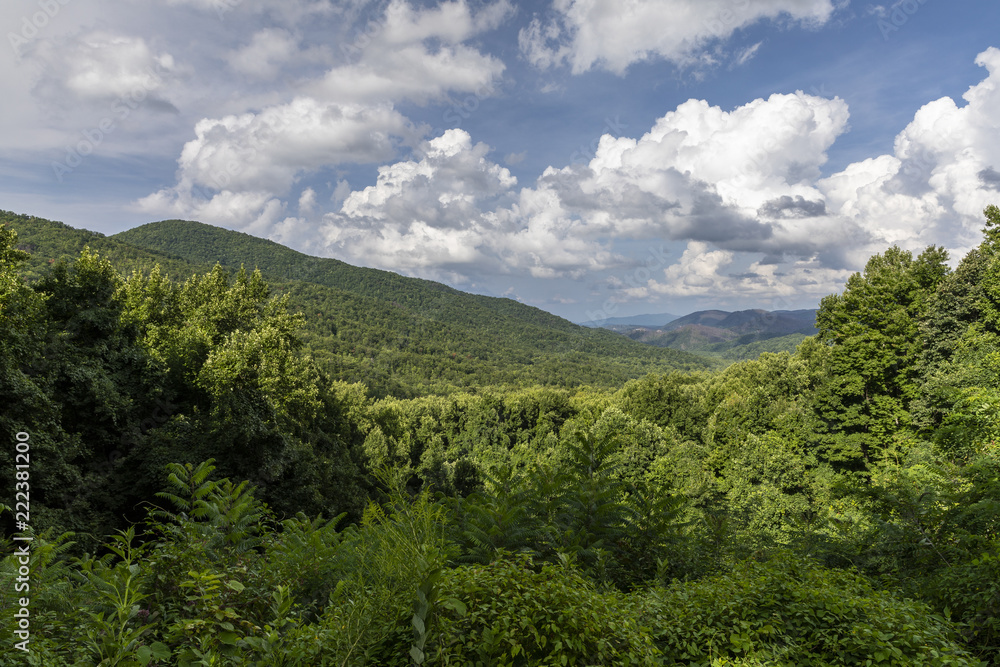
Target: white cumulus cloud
x,y
417,55
703,174
431,214
612,35
252,159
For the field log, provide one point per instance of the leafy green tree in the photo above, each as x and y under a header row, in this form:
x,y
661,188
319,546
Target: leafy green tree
x,y
676,400
497,519
961,369
593,514
873,330
28,405
953,318
768,487
78,384
242,391
18,304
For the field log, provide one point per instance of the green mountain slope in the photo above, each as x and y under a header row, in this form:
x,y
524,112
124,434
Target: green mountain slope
x,y
49,242
401,336
198,242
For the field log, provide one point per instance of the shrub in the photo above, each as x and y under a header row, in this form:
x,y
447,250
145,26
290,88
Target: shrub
x,y
795,612
506,613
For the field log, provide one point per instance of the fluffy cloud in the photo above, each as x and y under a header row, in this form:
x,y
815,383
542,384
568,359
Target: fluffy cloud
x,y
696,273
267,150
252,158
704,174
455,213
743,189
612,35
253,212
702,271
269,52
931,190
552,241
289,12
239,164
430,215
743,195
395,60
100,67
699,174
748,182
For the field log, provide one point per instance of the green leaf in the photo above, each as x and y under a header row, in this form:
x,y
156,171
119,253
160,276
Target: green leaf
x,y
160,650
227,637
456,605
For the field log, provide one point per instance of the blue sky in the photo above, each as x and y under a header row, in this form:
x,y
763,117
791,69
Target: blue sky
x,y
589,157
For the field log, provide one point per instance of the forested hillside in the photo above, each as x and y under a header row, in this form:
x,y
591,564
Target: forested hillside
x,y
400,336
203,491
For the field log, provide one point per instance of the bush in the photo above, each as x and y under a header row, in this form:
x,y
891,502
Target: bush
x,y
506,613
795,612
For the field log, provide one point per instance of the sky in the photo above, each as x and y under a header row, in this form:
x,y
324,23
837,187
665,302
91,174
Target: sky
x,y
593,158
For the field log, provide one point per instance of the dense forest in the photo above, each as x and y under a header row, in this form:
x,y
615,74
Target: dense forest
x,y
400,336
213,482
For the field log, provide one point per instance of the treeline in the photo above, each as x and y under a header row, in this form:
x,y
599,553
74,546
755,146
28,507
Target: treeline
x,y
835,506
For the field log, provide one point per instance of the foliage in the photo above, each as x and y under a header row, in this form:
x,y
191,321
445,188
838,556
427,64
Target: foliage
x,y
792,612
386,327
838,504
873,331
506,613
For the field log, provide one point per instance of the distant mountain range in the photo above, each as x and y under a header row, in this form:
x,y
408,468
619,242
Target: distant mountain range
x,y
731,335
751,321
652,320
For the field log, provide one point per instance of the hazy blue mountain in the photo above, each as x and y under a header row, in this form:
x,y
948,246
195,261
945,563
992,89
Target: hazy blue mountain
x,y
729,335
650,320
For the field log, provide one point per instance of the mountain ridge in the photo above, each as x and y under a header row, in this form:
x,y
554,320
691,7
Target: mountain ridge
x,y
747,321
645,320
203,243
400,336
728,335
